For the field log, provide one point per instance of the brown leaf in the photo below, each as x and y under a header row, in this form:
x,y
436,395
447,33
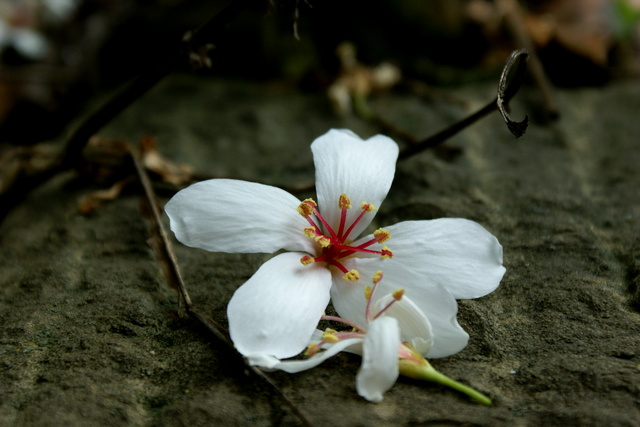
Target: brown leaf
x,y
170,172
91,202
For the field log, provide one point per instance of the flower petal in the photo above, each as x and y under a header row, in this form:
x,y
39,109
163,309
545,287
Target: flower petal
x,y
432,298
277,310
415,327
458,253
295,366
363,170
379,369
225,215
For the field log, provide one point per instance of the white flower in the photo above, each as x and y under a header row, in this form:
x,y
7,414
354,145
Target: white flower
x,y
393,343
276,311
396,319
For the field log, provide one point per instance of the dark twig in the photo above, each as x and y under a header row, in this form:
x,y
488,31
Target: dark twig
x,y
507,88
163,248
161,244
447,133
390,128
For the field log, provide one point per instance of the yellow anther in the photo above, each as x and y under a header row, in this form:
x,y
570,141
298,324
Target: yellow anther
x,y
386,253
323,241
367,207
311,349
382,235
344,202
367,293
377,276
306,207
351,276
398,294
306,260
310,232
329,336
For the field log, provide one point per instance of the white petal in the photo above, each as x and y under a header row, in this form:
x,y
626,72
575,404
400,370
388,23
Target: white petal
x,y
348,298
225,215
415,327
295,366
458,253
432,298
363,170
379,369
276,311
264,361
316,336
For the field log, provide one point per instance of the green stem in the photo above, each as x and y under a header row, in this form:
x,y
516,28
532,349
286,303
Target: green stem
x,y
423,370
441,378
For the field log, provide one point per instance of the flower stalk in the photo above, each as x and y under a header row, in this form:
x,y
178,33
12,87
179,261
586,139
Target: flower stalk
x,y
421,369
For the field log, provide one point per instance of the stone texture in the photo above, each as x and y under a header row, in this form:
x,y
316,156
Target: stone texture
x,y
90,334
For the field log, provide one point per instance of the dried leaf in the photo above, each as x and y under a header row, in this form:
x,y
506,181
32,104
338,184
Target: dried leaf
x,y
106,160
170,172
91,202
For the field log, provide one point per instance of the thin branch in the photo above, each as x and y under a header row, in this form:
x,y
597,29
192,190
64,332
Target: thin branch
x,y
166,257
162,246
507,88
447,133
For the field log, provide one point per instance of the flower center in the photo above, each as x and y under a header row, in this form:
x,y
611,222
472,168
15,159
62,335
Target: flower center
x,y
335,246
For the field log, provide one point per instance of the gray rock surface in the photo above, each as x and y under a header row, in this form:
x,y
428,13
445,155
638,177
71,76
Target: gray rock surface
x,y
90,334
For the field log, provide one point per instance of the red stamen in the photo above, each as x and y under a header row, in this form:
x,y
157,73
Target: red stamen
x,y
343,203
369,243
326,225
345,251
313,224
337,264
350,229
343,219
367,310
379,236
346,335
386,253
386,307
345,321
332,247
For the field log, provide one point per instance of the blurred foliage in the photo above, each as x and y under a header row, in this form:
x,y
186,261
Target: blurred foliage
x,y
53,59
